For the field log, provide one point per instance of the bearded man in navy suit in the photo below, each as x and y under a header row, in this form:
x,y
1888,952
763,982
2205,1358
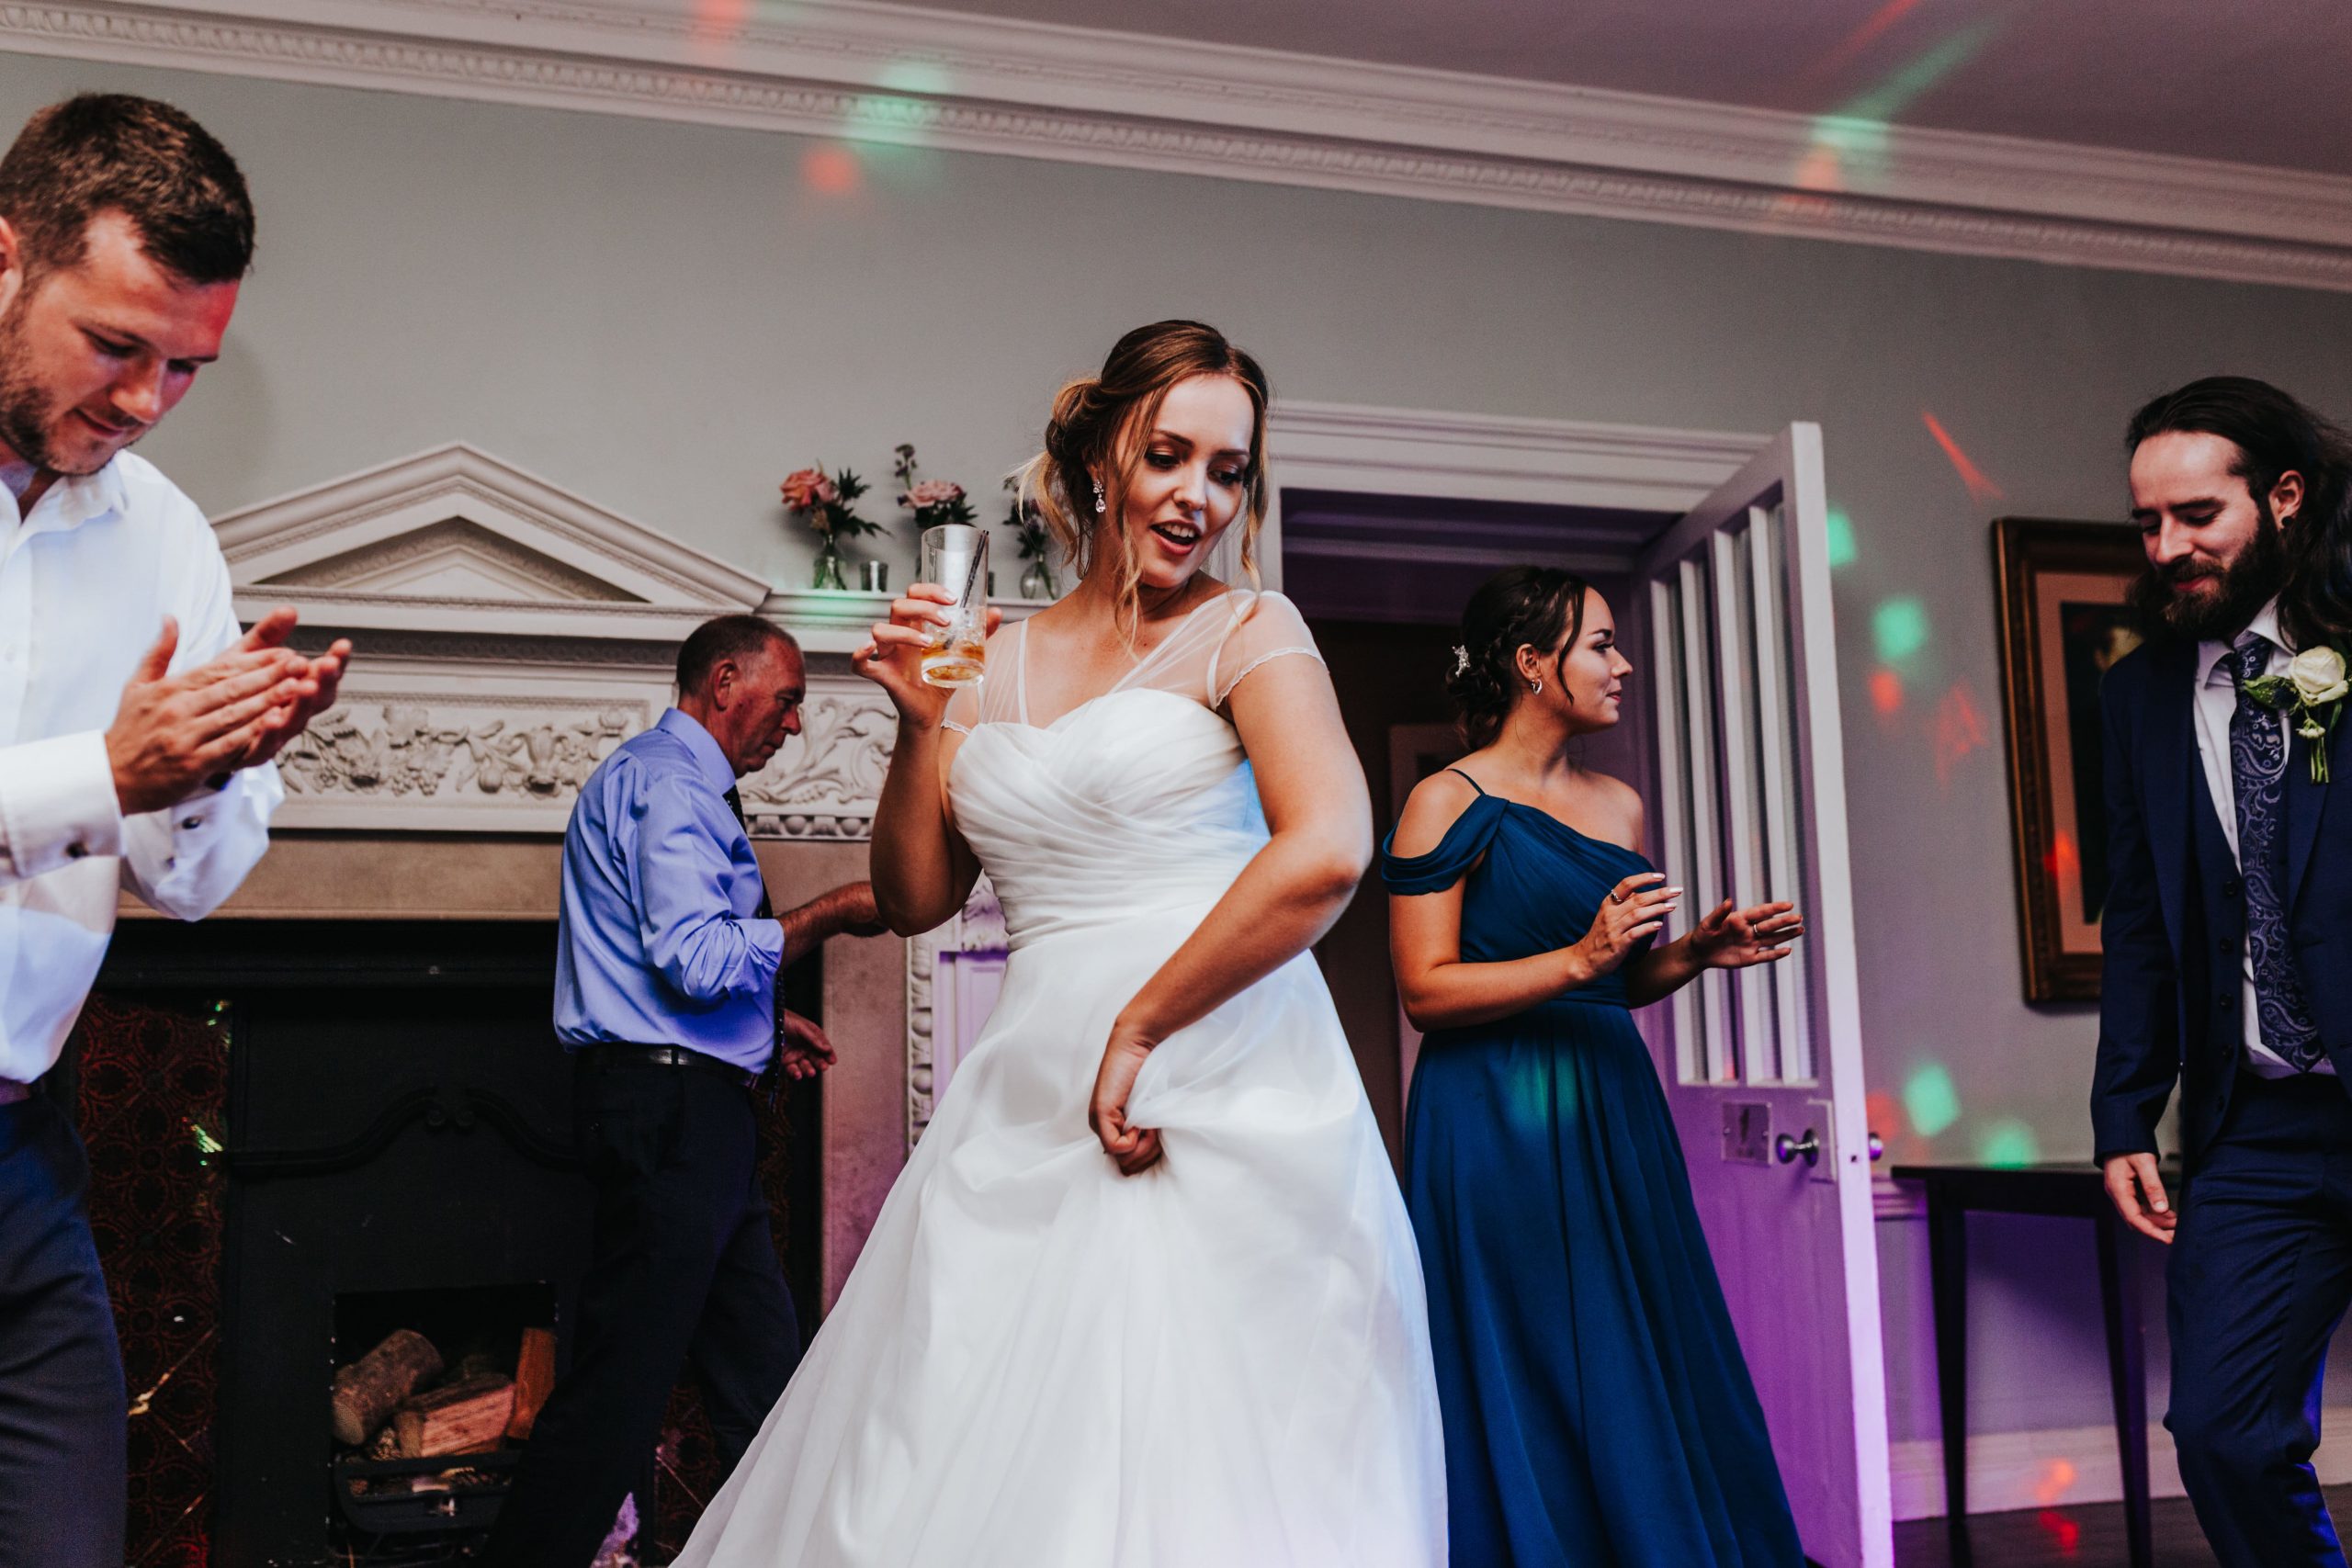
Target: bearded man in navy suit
x,y
2228,938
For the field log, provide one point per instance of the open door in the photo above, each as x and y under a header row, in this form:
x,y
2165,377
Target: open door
x,y
1764,1067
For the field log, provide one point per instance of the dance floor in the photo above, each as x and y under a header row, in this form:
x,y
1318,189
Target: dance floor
x,y
2068,1538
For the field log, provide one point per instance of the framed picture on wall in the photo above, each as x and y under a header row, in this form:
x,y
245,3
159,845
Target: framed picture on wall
x,y
2063,620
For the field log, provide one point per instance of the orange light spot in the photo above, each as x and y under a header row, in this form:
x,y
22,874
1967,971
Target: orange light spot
x,y
1980,489
2064,860
832,171
1886,693
2056,1477
1960,729
1820,170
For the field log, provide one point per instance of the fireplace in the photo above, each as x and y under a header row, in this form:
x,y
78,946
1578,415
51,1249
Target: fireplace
x,y
394,1152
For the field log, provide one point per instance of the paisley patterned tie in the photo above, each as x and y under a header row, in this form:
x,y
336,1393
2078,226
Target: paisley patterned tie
x,y
2258,772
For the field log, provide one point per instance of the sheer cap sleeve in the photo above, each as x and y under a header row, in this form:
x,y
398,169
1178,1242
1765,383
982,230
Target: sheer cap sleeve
x,y
1264,628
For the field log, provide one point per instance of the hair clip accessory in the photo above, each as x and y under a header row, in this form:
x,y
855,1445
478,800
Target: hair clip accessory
x,y
1461,659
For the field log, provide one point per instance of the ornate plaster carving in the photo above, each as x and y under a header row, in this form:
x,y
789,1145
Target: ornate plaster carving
x,y
477,761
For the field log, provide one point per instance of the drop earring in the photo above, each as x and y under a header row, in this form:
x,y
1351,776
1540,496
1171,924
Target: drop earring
x,y
1101,501
1535,688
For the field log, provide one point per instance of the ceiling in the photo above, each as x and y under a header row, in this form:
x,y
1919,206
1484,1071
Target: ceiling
x,y
2250,80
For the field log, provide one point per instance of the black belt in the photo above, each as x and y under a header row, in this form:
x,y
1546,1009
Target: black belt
x,y
668,1057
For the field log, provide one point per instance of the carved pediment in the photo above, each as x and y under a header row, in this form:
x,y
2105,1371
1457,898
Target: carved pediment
x,y
457,541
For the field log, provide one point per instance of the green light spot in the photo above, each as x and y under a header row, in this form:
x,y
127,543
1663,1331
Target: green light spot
x,y
1930,1100
1900,626
1892,97
1841,538
2009,1143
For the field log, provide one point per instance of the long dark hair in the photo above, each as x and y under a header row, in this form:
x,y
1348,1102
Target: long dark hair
x,y
1520,606
2275,435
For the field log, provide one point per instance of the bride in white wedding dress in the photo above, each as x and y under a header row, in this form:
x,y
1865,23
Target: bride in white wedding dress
x,y
1145,1296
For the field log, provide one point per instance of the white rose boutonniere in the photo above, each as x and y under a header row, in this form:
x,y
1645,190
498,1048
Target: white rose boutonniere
x,y
2313,690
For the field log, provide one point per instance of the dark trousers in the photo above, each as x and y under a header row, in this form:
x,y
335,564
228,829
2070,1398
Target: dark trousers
x,y
2260,1273
684,1271
61,1403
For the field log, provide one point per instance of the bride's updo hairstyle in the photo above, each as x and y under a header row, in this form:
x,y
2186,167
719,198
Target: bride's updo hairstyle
x,y
1520,606
1095,417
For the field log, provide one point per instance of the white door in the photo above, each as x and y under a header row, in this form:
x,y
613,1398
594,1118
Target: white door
x,y
1764,1067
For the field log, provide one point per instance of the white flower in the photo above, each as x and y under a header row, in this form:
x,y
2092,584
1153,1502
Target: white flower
x,y
2318,676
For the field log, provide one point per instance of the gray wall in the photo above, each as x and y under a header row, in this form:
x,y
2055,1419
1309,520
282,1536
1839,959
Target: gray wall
x,y
666,319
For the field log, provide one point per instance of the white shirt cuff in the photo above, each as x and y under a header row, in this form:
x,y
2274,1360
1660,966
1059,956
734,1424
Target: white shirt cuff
x,y
57,803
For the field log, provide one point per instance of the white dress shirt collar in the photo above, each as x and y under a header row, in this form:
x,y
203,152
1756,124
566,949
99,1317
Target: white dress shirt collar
x,y
71,500
2210,651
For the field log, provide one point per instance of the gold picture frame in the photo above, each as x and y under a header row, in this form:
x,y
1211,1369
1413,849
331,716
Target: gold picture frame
x,y
2061,588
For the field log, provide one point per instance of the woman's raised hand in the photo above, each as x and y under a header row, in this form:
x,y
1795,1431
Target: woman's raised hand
x,y
1635,908
1736,938
892,657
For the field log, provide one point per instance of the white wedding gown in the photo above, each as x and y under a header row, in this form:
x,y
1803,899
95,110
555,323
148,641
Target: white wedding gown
x,y
1040,1364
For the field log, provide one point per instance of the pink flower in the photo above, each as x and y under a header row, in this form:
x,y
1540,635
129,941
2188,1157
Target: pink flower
x,y
807,490
930,494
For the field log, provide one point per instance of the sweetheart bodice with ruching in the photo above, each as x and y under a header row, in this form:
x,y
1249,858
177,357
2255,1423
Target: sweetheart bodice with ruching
x,y
1138,803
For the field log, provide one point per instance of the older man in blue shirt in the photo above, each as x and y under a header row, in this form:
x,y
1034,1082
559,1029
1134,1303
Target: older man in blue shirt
x,y
666,966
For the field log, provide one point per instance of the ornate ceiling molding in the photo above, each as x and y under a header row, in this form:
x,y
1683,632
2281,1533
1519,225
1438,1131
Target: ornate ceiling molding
x,y
903,75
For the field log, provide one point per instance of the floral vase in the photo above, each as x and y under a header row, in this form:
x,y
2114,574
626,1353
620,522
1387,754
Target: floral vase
x,y
829,569
1037,581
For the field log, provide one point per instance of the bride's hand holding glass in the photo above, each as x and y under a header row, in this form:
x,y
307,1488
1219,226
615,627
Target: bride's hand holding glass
x,y
893,655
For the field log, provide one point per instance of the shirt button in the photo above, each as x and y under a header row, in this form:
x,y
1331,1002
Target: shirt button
x,y
75,852
191,823
2230,889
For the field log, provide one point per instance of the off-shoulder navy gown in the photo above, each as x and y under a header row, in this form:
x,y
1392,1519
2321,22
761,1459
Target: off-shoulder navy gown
x,y
1597,1410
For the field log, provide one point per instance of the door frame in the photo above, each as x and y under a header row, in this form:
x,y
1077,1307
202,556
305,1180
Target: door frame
x,y
1391,451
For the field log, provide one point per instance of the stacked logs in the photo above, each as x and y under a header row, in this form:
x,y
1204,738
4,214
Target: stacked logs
x,y
400,1400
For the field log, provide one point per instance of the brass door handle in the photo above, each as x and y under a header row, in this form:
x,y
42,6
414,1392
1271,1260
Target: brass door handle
x,y
1786,1149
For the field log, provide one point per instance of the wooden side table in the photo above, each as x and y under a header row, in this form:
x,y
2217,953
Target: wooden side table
x,y
2073,1190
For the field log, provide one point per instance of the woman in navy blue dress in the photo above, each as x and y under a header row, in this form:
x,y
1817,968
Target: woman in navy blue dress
x,y
1597,1410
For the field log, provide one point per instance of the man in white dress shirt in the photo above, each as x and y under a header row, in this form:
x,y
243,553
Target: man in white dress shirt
x,y
136,727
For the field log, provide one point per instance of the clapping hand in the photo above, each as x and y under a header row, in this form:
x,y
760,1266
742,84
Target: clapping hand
x,y
172,733
802,1049
1635,908
316,684
1134,1148
1737,939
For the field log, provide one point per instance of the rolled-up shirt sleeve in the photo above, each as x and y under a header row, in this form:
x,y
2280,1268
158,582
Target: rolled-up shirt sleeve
x,y
692,934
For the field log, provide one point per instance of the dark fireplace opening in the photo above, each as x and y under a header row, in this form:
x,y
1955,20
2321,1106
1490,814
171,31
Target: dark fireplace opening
x,y
374,1123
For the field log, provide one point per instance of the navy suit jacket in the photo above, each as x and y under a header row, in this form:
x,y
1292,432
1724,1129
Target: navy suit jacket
x,y
2169,993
